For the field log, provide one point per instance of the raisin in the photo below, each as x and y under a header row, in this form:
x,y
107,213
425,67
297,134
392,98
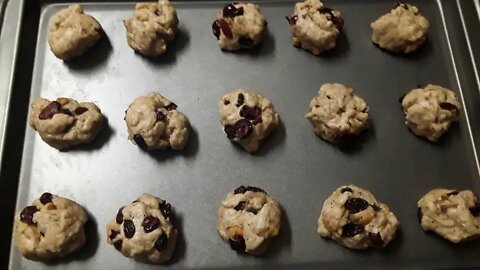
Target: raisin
x,y
452,193
113,234
26,216
161,242
46,198
346,189
160,116
292,20
448,106
172,106
352,229
150,223
80,110
119,217
246,42
240,100
255,189
237,243
216,29
240,130
240,190
257,120
49,111
128,228
240,206
232,11
475,210
419,215
222,25
166,209
140,141
375,239
118,245
355,205
250,113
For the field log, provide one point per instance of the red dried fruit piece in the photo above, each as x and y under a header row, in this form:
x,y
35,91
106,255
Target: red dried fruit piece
x,y
250,113
240,100
150,223
240,130
448,106
240,190
46,198
118,245
160,116
255,189
26,216
240,206
352,229
119,217
216,29
80,110
166,209
346,189
375,239
223,25
113,234
257,120
232,11
49,111
292,20
170,107
355,205
128,228
161,242
140,141
237,243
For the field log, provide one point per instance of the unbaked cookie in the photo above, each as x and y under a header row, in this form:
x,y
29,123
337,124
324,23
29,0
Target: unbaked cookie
x,y
143,230
71,32
430,111
153,122
239,26
337,114
152,27
354,218
452,214
65,122
51,227
248,219
404,29
247,118
315,27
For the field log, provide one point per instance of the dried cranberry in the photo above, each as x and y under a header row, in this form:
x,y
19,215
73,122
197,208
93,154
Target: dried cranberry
x,y
128,228
237,243
49,111
118,245
240,190
257,120
355,205
250,113
246,42
26,216
292,20
452,193
240,100
160,116
216,29
352,229
140,141
80,110
475,210
172,106
255,189
240,206
119,217
166,209
113,234
221,24
375,239
240,130
161,242
46,198
419,215
448,106
150,223
231,11
346,189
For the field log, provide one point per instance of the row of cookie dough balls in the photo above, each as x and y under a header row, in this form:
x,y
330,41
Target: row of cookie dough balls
x,y
247,219
239,25
153,121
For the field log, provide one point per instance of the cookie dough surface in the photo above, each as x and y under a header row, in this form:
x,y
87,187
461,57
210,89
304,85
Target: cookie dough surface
x,y
240,25
71,32
248,218
143,230
247,118
430,111
153,122
314,27
64,122
152,27
51,227
452,214
402,30
354,218
337,114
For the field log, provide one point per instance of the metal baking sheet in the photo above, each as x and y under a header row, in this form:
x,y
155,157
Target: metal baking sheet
x,y
293,165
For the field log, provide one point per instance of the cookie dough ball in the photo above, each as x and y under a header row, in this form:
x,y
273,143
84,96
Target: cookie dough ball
x,y
64,122
402,30
71,32
143,230
248,219
337,114
153,122
430,111
152,27
247,118
314,27
239,26
452,214
51,227
354,218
